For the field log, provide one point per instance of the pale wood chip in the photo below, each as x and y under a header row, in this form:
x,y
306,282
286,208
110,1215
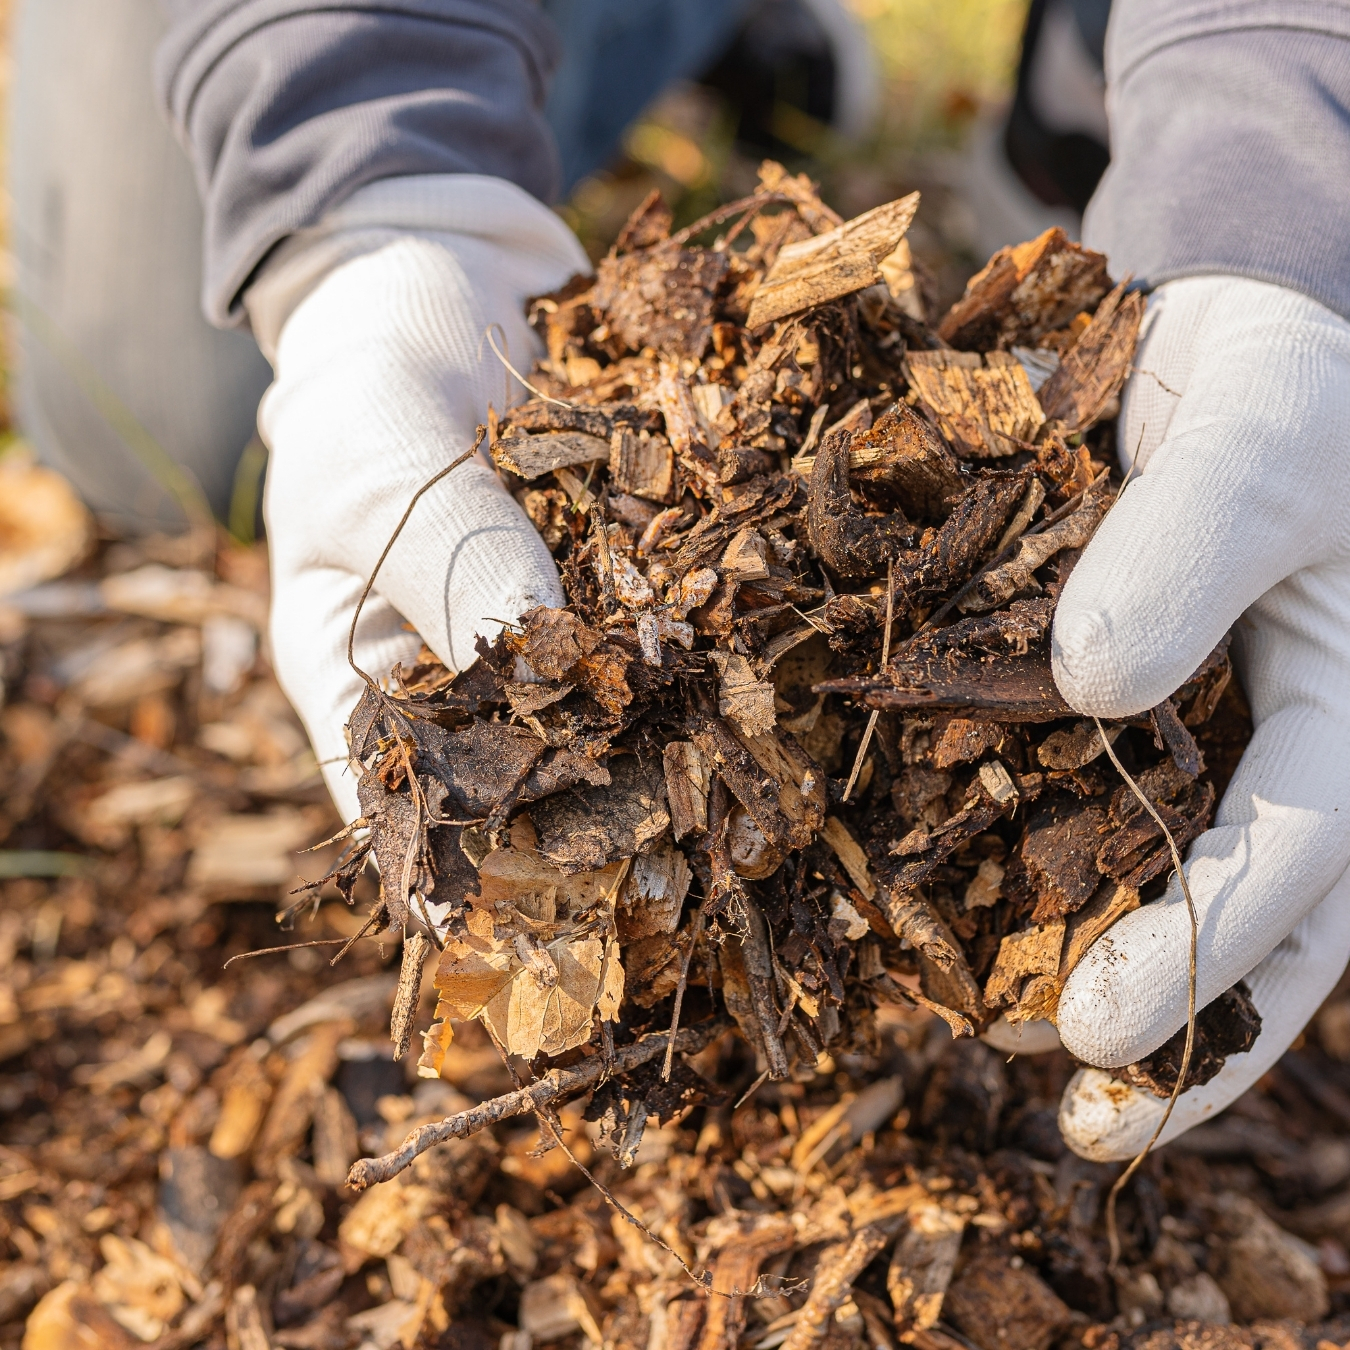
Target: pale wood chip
x,y
533,456
1033,951
846,259
984,405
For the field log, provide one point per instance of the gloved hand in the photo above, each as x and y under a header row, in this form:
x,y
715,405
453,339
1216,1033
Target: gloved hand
x,y
1240,515
374,323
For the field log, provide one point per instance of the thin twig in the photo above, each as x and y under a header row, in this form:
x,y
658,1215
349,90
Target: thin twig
x,y
360,933
426,487
1138,370
492,342
289,947
700,918
885,657
702,1278
1134,459
1113,1236
754,202
554,1085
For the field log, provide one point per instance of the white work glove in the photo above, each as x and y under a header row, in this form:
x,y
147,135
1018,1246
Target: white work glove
x,y
374,323
1240,515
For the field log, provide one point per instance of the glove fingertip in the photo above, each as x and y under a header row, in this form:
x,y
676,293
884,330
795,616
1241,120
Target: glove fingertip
x,y
1103,1120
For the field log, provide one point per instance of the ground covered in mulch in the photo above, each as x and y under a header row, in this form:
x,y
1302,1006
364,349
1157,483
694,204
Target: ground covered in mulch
x,y
788,772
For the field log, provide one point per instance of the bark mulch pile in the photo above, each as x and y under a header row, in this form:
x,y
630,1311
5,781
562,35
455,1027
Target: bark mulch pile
x,y
658,1026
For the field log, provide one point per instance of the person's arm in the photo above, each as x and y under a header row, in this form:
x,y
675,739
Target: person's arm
x,y
1230,144
289,106
374,179
1229,196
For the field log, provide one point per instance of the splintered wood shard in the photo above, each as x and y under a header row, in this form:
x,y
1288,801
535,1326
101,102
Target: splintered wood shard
x,y
1093,371
829,266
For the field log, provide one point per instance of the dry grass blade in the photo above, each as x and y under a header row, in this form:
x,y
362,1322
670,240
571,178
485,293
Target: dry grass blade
x,y
1112,1233
479,435
489,336
885,657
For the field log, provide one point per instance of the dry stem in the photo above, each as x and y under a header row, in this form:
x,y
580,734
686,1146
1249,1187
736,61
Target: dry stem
x,y
885,657
1113,1235
554,1085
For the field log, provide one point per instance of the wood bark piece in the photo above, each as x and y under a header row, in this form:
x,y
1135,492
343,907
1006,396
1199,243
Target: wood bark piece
x,y
406,997
588,828
687,782
531,457
297,1097
850,853
1021,690
916,921
654,898
999,1306
1040,994
966,538
1264,1270
747,703
735,1273
964,739
1033,951
1000,584
1074,748
846,259
748,988
771,777
1060,851
642,463
1093,371
684,428
1025,291
243,1321
900,451
661,297
1178,739
984,405
849,542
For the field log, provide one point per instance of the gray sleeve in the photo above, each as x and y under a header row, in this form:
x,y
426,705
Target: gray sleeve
x,y
288,106
1230,143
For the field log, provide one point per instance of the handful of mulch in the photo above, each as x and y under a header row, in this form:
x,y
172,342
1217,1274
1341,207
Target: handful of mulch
x,y
793,748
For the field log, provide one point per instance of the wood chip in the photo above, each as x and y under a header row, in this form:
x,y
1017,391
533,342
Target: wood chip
x,y
1033,951
849,852
531,457
1091,375
643,464
1025,291
984,405
846,259
687,781
999,1305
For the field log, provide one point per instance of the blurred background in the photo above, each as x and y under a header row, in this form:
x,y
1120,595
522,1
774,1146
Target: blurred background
x,y
924,104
